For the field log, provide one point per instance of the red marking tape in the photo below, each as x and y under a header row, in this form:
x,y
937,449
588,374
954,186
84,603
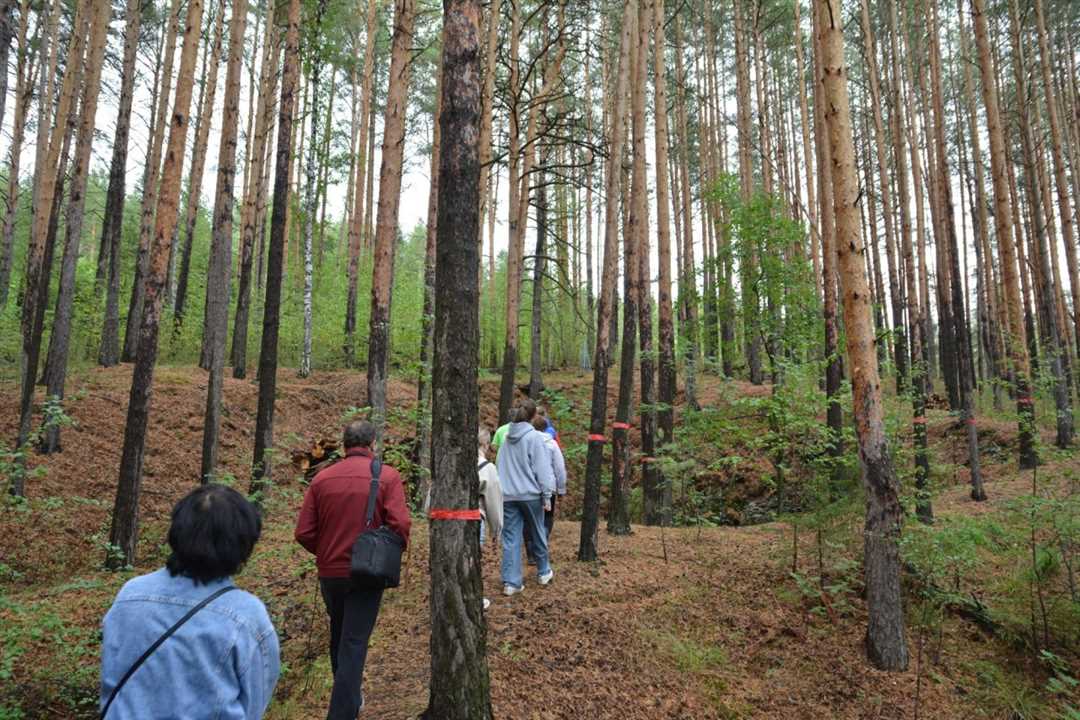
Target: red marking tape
x,y
597,438
1025,401
621,426
454,515
647,459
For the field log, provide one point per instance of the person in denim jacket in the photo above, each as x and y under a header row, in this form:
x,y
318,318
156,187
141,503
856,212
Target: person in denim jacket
x,y
222,663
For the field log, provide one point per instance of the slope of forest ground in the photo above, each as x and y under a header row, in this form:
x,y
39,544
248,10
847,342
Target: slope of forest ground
x,y
690,622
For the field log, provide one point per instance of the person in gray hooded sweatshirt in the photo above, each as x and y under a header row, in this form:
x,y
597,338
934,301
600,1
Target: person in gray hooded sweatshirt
x,y
528,482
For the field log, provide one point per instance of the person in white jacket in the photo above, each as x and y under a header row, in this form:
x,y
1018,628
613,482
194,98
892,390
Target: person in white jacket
x,y
558,467
491,500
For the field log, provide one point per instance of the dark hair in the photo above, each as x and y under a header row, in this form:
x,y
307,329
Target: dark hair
x,y
213,532
359,433
539,422
525,412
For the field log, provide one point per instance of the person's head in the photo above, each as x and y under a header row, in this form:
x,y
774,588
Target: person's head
x,y
358,434
526,410
539,422
483,439
213,532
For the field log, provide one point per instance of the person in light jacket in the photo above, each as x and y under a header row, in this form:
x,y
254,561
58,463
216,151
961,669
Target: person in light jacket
x,y
528,484
224,661
558,466
491,499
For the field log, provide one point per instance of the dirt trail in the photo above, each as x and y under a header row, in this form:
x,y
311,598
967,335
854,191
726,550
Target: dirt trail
x,y
716,630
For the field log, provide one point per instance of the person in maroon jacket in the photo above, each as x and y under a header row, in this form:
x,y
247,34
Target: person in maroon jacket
x,y
332,516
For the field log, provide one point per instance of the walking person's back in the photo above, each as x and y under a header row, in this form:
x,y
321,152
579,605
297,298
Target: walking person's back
x,y
528,483
223,662
332,516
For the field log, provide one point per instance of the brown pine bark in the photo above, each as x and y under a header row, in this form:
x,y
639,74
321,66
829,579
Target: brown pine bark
x,y
885,642
357,220
115,197
386,223
150,190
38,252
124,531
687,271
460,685
805,126
252,213
658,503
60,338
207,93
264,418
618,521
588,548
219,270
1015,339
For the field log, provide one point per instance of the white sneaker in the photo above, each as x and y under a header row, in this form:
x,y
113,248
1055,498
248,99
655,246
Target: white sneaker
x,y
511,590
487,603
546,577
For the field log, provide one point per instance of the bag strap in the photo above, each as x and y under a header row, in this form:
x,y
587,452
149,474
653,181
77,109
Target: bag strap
x,y
376,470
482,465
157,643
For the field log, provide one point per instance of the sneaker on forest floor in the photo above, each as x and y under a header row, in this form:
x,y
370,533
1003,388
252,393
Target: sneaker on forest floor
x,y
546,577
512,589
487,603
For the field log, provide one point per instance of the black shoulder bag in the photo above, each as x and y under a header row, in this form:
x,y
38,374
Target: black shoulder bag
x,y
376,552
157,643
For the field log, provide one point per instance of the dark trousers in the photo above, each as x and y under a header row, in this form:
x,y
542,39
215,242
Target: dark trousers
x,y
352,612
549,523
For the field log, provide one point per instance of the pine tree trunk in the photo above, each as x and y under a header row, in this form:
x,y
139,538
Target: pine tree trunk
x,y
357,220
219,270
150,190
60,338
687,271
251,214
622,472
124,531
536,381
460,685
588,549
658,507
264,419
112,224
48,189
386,223
427,319
885,642
198,162
1015,337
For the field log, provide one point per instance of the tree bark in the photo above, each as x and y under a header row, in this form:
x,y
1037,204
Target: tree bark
x,y
60,339
588,547
150,190
264,420
358,218
124,532
386,223
207,93
219,271
311,190
252,214
687,272
885,642
1015,338
460,685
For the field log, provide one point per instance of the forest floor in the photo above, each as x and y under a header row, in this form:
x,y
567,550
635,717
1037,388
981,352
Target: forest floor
x,y
676,623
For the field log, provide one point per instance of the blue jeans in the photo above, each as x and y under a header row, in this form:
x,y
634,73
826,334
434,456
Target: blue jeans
x,y
518,514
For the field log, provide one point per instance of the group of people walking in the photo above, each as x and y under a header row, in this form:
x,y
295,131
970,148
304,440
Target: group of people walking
x,y
184,642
